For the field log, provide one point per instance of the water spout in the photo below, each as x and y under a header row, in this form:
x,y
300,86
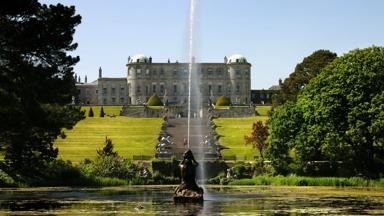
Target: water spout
x,y
191,54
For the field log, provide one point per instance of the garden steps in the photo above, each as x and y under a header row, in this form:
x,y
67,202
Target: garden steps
x,y
179,129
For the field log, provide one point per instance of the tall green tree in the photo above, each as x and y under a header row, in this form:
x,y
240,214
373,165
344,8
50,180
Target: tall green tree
x,y
339,115
309,68
36,81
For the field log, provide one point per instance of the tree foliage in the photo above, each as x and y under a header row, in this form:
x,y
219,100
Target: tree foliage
x,y
90,113
102,113
309,68
258,137
36,80
107,150
338,117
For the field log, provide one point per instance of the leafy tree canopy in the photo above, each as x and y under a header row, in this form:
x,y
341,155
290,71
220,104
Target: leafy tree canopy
x,y
36,80
338,117
258,137
309,68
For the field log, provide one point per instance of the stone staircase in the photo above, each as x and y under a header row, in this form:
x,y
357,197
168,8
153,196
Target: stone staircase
x,y
178,130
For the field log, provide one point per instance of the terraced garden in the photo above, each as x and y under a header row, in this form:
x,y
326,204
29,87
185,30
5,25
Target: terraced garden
x,y
130,136
233,130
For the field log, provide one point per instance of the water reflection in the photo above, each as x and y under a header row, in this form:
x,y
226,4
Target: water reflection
x,y
221,201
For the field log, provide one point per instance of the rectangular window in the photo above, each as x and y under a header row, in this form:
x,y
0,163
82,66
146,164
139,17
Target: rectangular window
x,y
104,91
121,100
113,91
209,89
154,88
113,100
219,88
122,89
210,71
161,71
138,89
97,91
105,101
174,88
174,71
161,89
146,89
238,72
219,71
238,88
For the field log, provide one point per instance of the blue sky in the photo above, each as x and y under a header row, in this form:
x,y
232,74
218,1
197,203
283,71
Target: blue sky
x,y
274,35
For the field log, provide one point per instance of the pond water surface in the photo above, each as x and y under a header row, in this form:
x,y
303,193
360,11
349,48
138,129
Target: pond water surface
x,y
218,201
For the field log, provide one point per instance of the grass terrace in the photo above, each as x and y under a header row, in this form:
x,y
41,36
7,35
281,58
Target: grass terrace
x,y
115,110
130,136
263,110
233,131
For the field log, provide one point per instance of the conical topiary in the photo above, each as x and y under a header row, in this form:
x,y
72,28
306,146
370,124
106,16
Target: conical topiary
x,y
90,112
223,101
154,100
102,112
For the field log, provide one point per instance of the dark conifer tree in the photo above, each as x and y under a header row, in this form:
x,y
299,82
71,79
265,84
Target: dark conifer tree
x,y
36,81
90,113
102,112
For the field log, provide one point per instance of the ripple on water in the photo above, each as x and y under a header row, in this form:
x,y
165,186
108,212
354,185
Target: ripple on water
x,y
223,201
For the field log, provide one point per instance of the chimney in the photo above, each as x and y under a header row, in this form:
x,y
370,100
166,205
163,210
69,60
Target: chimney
x,y
100,73
75,77
79,79
225,59
150,59
85,79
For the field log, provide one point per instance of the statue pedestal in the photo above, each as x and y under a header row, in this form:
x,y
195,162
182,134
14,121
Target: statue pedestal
x,y
188,191
188,196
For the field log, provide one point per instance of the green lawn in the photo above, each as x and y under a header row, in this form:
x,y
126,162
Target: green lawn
x,y
233,131
107,110
263,110
130,136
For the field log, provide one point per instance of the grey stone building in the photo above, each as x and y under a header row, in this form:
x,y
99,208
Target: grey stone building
x,y
169,81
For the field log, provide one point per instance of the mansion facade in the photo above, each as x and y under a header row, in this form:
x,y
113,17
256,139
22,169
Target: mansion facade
x,y
169,81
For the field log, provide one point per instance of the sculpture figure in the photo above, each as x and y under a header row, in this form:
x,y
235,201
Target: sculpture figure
x,y
188,190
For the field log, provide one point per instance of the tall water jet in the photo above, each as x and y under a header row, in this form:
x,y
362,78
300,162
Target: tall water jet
x,y
195,139
188,190
192,63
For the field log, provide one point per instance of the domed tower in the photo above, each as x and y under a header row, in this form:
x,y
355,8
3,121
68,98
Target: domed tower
x,y
135,77
239,85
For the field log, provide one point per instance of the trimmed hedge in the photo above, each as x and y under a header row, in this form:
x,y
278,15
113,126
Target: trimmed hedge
x,y
154,100
223,101
168,168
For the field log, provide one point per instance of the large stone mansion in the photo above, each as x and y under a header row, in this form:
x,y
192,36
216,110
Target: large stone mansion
x,y
169,81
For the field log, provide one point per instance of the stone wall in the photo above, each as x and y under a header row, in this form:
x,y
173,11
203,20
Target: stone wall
x,y
234,112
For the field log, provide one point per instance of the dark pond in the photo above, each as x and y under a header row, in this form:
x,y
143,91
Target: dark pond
x,y
219,201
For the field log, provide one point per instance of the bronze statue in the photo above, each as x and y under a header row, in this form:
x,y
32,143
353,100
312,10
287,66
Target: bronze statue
x,y
188,190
